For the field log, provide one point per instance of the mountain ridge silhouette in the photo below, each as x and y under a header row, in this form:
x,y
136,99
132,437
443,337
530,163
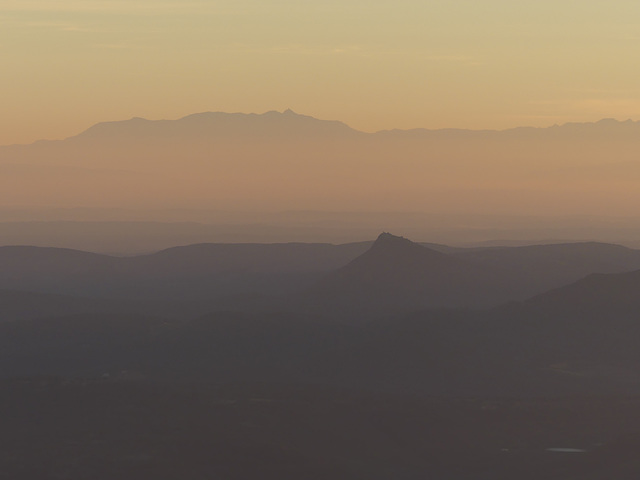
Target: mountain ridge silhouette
x,y
290,118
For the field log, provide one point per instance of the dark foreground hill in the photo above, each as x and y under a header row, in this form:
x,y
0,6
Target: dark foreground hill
x,y
581,339
538,268
182,281
545,388
353,329
395,274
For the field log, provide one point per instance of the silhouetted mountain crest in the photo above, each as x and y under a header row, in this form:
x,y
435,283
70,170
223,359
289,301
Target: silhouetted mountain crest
x,y
396,273
607,128
386,238
209,123
289,122
138,126
401,249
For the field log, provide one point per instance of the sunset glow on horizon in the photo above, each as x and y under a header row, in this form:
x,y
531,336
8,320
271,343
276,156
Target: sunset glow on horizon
x,y
373,65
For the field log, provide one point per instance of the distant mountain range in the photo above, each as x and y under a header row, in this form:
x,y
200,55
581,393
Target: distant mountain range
x,y
217,125
271,161
289,123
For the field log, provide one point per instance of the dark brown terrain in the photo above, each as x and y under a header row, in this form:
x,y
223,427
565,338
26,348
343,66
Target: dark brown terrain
x,y
320,361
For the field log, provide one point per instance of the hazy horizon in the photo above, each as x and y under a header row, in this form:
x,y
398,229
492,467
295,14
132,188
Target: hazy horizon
x,y
278,160
443,108
382,65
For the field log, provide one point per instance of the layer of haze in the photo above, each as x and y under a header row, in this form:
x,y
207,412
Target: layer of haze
x,y
375,65
279,161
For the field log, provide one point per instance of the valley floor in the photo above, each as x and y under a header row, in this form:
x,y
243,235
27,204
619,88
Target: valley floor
x,y
104,429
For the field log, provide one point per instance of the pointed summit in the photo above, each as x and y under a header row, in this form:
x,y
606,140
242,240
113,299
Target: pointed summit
x,y
396,273
386,239
396,248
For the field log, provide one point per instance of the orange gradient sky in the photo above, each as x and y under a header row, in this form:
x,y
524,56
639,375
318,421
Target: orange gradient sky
x,y
374,64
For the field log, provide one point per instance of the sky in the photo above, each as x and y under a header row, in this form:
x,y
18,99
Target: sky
x,y
374,64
